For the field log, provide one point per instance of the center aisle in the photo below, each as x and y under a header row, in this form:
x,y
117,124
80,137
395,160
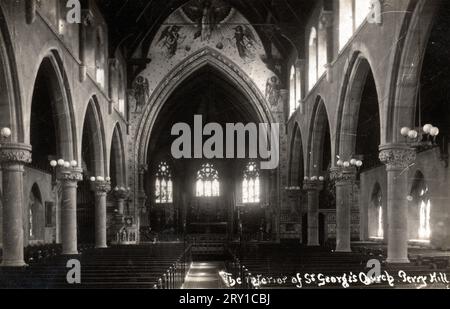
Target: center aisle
x,y
205,275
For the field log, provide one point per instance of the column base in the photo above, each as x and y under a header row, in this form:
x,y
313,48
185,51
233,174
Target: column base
x,y
343,250
398,261
71,253
101,247
14,264
313,245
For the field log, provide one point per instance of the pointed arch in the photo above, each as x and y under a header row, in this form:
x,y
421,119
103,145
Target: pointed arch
x,y
11,108
205,57
94,132
296,158
117,158
319,141
350,102
52,70
408,67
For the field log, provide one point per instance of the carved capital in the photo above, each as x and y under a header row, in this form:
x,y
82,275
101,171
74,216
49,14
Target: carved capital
x,y
100,187
312,185
70,175
343,175
121,194
11,153
397,156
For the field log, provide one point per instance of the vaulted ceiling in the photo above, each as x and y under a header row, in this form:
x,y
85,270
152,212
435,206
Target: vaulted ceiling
x,y
134,23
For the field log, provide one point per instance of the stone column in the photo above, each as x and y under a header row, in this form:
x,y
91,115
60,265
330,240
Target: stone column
x,y
397,159
69,179
344,179
100,188
13,157
313,188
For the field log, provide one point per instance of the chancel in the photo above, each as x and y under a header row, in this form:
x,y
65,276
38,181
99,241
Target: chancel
x,y
184,144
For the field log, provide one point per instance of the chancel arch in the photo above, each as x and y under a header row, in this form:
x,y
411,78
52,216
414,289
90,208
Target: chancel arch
x,y
204,58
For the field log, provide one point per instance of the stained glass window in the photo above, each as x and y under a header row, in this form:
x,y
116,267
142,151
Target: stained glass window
x,y
251,184
163,185
380,230
425,212
207,184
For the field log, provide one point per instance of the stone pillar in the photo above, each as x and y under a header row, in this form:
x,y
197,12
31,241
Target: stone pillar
x,y
397,159
313,188
100,188
13,157
69,179
344,179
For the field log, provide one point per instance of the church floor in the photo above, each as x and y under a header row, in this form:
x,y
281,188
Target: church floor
x,y
205,275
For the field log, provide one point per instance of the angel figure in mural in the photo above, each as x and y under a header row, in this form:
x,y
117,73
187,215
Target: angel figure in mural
x,y
273,87
245,42
208,15
141,92
170,40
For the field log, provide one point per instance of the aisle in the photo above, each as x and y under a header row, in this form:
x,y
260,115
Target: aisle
x,y
204,275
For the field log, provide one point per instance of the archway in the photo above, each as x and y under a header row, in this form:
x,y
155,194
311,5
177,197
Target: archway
x,y
216,99
319,143
92,163
117,168
319,186
11,107
402,108
51,123
297,159
359,129
206,57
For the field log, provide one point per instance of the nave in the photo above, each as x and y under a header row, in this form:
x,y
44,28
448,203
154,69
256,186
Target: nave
x,y
181,143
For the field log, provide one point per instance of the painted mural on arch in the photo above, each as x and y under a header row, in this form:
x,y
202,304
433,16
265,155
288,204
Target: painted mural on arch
x,y
214,24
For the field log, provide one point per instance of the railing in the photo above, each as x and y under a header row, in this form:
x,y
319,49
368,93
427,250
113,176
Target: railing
x,y
175,276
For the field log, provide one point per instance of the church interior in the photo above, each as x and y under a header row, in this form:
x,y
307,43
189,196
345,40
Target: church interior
x,y
90,94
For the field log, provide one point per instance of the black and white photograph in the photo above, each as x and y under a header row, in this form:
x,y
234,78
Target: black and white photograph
x,y
246,146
